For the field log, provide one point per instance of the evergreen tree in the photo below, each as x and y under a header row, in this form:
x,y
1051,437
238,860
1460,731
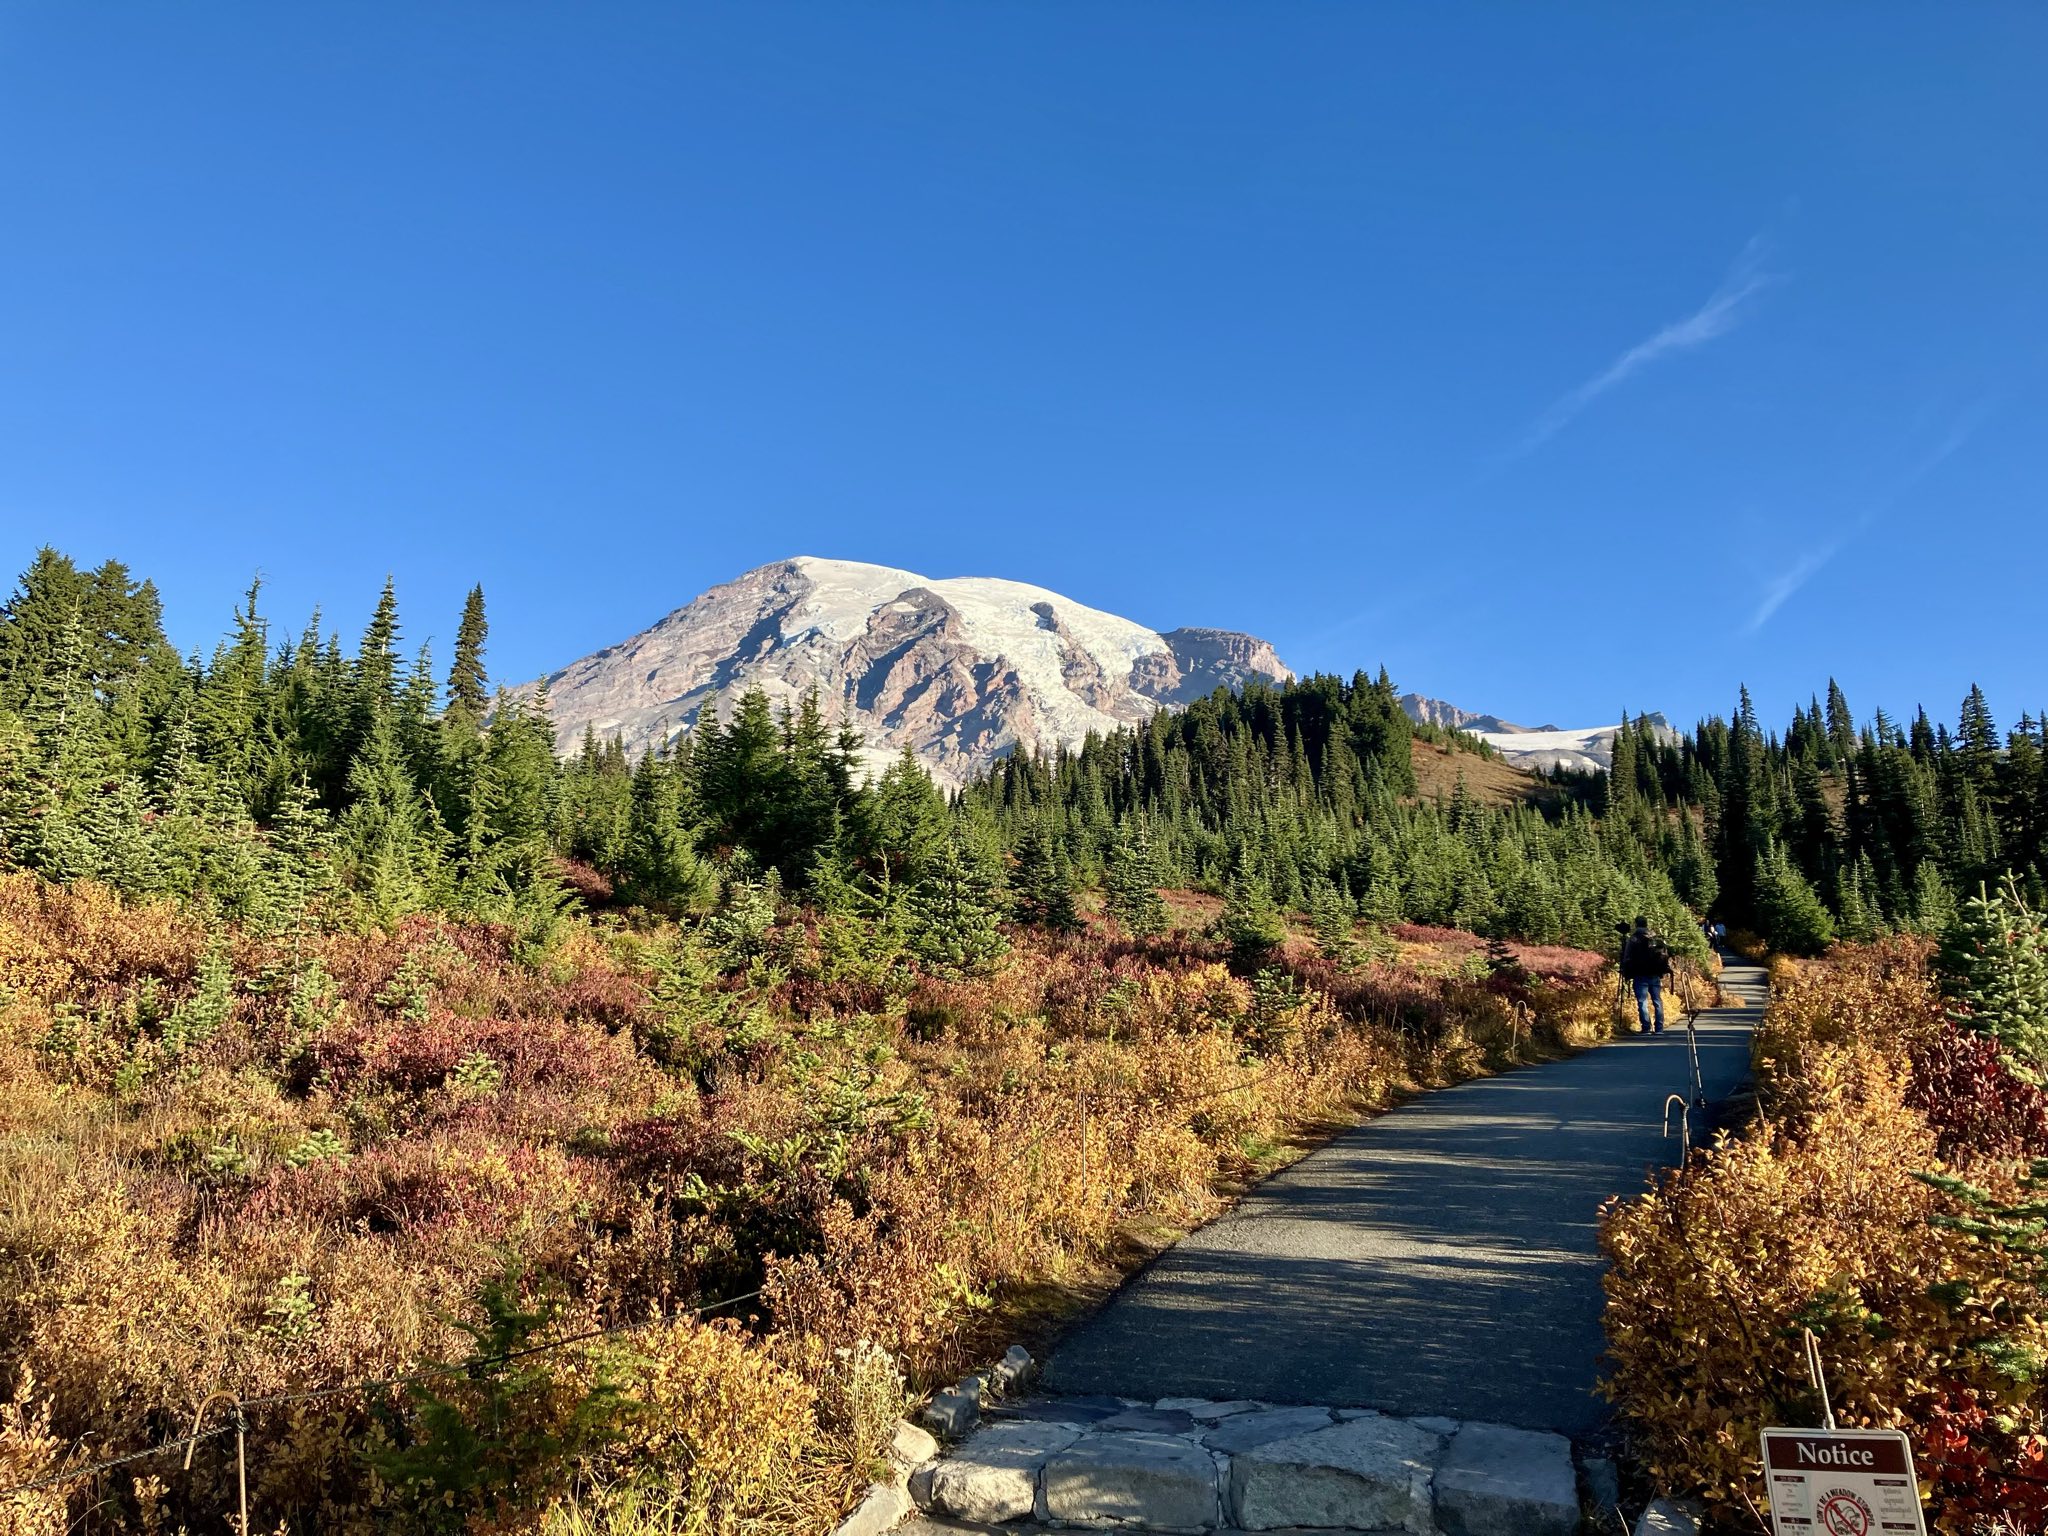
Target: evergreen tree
x,y
469,691
1790,915
48,601
1861,912
360,696
420,732
1041,886
25,794
1693,876
509,852
748,905
1621,773
1813,839
376,663
1250,922
119,640
1133,881
1994,968
229,711
1934,902
298,863
392,840
1841,724
593,812
741,781
902,823
60,828
953,919
1332,917
662,866
1745,824
205,844
1976,748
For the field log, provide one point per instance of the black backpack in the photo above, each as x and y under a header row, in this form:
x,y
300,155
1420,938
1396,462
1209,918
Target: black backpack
x,y
1646,955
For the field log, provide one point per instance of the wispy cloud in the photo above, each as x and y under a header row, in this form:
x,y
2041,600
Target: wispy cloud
x,y
1780,589
1720,314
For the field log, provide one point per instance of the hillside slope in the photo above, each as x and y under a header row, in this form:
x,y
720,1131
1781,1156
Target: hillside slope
x,y
1490,779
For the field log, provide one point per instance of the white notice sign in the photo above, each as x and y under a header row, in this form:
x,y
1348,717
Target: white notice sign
x,y
1841,1482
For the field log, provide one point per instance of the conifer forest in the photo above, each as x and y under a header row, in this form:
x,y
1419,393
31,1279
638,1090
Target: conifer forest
x,y
280,763
583,1142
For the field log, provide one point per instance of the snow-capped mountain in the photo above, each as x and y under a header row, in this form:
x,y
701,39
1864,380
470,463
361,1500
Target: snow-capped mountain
x,y
1537,748
962,670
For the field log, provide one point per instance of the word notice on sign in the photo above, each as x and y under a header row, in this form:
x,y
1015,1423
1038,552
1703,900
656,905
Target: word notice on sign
x,y
1841,1482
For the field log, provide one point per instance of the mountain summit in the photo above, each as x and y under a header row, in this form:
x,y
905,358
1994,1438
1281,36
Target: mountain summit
x,y
963,670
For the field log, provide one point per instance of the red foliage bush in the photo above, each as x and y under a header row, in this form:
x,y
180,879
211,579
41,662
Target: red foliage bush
x,y
592,887
1961,1084
1817,1216
1977,1470
1397,999
424,1189
1552,962
663,1149
415,1056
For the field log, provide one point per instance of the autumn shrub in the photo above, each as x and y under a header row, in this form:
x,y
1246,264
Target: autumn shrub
x,y
29,1453
1713,1276
716,1414
294,1163
489,1439
1817,1218
1880,995
1977,1106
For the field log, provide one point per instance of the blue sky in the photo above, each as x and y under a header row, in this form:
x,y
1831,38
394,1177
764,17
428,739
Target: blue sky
x,y
1560,358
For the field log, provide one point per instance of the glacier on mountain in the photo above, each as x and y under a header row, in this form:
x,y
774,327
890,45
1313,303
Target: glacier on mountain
x,y
962,670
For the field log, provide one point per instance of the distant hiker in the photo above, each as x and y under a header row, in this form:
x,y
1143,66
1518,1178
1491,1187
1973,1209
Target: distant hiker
x,y
1645,962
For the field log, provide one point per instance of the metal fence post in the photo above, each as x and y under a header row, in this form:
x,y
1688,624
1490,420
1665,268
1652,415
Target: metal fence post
x,y
241,1451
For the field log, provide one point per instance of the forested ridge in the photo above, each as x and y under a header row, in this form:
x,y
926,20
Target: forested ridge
x,y
275,762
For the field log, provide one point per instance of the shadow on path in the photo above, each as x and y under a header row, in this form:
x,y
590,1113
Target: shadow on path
x,y
1441,1258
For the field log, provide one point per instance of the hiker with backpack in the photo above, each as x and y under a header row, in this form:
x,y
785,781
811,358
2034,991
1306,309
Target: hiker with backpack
x,y
1645,962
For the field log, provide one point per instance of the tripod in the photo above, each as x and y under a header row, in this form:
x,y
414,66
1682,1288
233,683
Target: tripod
x,y
1624,994
1692,1034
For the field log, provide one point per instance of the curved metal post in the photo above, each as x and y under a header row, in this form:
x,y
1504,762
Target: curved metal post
x,y
1684,1124
241,1450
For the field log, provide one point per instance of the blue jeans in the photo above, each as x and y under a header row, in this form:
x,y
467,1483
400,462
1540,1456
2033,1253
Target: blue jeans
x,y
1650,989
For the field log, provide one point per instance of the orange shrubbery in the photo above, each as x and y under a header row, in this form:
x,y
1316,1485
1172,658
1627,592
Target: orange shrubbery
x,y
1813,1218
280,1165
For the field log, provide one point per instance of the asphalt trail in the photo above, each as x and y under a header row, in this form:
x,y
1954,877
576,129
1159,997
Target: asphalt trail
x,y
1438,1259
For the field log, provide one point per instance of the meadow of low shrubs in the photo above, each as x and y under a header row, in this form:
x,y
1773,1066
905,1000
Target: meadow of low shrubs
x,y
773,1175
1834,1211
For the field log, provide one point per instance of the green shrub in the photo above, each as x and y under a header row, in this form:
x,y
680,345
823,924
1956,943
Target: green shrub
x,y
496,1432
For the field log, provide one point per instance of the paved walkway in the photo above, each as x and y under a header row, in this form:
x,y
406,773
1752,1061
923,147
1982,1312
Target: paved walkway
x,y
1440,1259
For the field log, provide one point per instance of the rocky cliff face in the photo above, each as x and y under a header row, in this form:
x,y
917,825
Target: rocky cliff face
x,y
962,671
1427,711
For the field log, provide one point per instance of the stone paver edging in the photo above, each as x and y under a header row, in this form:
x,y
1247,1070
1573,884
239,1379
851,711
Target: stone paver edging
x,y
1190,1465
